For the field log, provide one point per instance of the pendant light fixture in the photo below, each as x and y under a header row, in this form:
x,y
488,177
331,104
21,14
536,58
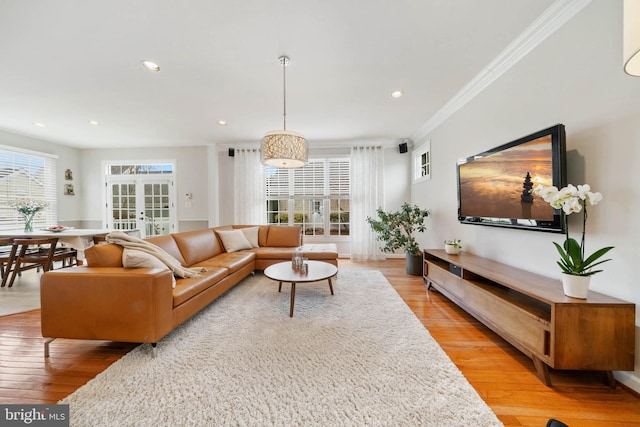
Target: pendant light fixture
x,y
631,37
283,148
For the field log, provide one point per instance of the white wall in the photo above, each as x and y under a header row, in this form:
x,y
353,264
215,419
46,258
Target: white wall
x,y
226,189
191,177
397,179
85,209
575,77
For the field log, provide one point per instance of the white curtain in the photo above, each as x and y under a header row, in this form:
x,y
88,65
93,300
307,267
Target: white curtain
x,y
366,196
249,203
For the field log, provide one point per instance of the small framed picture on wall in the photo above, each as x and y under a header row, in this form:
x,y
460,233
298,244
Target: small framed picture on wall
x,y
68,190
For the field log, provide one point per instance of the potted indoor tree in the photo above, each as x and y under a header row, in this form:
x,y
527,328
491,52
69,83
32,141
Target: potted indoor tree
x,y
396,230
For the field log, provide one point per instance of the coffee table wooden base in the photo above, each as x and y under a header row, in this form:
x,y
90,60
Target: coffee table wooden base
x,y
293,294
317,271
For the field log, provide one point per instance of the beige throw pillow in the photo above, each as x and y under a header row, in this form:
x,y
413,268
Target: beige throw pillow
x,y
251,233
132,258
234,240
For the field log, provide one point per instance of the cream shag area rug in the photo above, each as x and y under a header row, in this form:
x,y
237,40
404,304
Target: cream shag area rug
x,y
358,358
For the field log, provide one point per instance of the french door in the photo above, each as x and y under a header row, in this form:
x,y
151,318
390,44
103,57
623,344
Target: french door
x,y
145,203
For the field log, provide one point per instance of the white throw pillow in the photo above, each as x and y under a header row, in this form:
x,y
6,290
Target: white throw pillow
x,y
132,258
251,233
234,240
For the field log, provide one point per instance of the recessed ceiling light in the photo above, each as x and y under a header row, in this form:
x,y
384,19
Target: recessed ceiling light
x,y
397,94
40,125
150,65
94,123
223,122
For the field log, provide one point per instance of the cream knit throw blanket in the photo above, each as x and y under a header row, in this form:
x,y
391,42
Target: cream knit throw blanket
x,y
130,242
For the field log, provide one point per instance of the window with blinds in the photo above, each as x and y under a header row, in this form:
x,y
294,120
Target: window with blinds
x,y
315,197
27,175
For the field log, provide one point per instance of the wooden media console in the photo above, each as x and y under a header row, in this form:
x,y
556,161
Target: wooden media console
x,y
532,313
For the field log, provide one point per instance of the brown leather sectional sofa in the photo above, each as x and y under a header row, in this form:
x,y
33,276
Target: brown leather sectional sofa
x,y
106,301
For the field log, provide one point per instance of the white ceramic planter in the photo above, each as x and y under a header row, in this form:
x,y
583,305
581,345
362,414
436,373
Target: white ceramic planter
x,y
575,286
451,249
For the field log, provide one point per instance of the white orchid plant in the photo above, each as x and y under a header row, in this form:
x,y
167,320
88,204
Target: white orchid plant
x,y
573,199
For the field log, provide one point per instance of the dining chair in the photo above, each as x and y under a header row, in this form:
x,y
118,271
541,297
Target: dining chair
x,y
67,255
39,253
7,255
100,239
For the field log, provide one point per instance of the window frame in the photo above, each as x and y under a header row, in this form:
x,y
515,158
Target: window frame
x,y
422,163
11,219
296,196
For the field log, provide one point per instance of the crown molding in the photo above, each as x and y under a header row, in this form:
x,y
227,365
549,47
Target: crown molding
x,y
546,24
322,145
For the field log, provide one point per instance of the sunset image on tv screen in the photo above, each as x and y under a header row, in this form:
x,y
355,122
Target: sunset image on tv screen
x,y
492,186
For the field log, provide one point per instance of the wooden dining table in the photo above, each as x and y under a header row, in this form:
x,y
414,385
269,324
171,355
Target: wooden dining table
x,y
78,238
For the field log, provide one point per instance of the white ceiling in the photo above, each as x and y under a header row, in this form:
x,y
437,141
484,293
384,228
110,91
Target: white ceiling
x,y
65,62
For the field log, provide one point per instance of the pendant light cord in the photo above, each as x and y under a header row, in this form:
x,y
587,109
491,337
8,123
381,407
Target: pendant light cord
x,y
284,60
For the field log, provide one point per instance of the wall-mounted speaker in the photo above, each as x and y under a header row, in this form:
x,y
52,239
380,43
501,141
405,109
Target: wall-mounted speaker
x,y
403,147
232,152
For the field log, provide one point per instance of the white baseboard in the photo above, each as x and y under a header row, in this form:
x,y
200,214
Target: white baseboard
x,y
628,379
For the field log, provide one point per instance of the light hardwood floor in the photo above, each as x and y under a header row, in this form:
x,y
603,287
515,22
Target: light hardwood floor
x,y
503,377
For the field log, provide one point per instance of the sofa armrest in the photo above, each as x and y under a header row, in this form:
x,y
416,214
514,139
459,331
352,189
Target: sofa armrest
x,y
107,303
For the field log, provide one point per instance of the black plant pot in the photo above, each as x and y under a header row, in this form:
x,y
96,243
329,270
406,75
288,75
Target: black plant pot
x,y
414,264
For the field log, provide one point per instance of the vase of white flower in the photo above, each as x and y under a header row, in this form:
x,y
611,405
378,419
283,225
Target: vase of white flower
x,y
28,222
28,209
573,263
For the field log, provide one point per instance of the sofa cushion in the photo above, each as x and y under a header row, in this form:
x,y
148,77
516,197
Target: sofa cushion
x,y
108,255
284,236
168,243
187,288
283,254
224,228
234,261
234,240
263,231
132,258
197,245
320,251
251,233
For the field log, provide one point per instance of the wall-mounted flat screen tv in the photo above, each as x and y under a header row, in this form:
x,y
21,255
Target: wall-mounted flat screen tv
x,y
494,186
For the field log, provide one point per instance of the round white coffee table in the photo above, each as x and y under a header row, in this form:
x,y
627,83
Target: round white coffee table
x,y
317,270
